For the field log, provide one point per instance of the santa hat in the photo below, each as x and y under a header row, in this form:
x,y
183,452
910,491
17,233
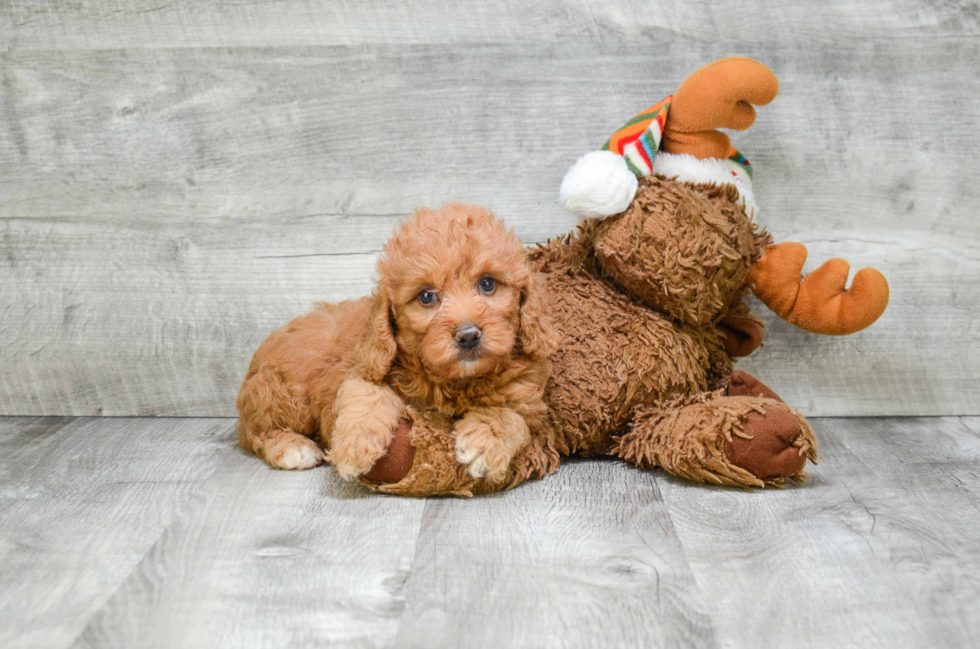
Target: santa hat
x,y
603,183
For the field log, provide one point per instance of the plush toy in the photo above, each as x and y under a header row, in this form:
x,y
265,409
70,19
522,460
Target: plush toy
x,y
648,299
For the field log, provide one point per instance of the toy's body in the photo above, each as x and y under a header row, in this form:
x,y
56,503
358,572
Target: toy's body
x,y
647,382
649,307
618,353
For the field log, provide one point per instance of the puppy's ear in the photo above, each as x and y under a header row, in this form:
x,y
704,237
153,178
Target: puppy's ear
x,y
537,337
375,354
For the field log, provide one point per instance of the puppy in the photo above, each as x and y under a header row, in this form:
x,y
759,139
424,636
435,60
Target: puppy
x,y
457,323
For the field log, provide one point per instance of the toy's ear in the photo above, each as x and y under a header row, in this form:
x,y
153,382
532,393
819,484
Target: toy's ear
x,y
376,353
719,95
537,337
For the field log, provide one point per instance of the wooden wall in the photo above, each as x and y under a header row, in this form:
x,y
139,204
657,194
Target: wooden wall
x,y
176,180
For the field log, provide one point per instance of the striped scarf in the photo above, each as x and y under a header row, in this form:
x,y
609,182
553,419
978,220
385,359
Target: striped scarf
x,y
638,141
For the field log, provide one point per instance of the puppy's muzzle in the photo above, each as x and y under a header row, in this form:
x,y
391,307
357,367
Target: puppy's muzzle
x,y
468,336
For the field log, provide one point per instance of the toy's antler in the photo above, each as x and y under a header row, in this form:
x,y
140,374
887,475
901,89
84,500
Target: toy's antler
x,y
719,95
818,302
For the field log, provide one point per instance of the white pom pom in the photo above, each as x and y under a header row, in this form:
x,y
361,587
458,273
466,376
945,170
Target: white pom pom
x,y
598,184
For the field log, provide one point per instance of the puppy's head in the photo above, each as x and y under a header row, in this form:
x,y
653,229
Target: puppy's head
x,y
456,293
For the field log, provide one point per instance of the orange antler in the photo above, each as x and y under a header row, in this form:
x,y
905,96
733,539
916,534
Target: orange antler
x,y
818,302
719,95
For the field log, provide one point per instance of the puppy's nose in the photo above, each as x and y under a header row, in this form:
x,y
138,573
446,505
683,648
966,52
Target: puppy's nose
x,y
468,336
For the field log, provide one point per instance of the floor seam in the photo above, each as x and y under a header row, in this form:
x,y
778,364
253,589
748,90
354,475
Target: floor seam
x,y
181,509
961,419
411,571
660,476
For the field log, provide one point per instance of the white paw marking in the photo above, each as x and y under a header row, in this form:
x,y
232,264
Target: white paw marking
x,y
471,456
300,457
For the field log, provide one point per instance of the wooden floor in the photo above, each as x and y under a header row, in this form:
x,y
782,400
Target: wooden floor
x,y
161,532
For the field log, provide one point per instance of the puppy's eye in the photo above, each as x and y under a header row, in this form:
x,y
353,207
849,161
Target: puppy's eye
x,y
487,285
428,297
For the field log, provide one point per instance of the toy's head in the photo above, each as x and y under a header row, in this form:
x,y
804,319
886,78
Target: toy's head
x,y
678,210
681,249
681,239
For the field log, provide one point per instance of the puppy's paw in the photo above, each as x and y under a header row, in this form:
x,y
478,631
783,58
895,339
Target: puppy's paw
x,y
367,416
476,447
487,442
295,453
358,452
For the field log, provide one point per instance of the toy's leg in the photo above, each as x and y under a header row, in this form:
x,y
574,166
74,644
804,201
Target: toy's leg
x,y
743,384
397,462
269,417
421,461
730,437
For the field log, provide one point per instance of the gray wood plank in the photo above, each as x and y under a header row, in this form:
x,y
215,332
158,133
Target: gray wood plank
x,y
880,548
165,323
168,326
163,210
160,533
147,23
585,558
81,502
245,133
268,559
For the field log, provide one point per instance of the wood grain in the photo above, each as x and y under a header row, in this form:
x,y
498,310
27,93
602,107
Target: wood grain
x,y
268,558
161,533
587,557
164,207
881,548
81,502
148,23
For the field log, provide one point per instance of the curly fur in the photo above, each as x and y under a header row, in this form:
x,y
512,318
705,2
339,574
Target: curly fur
x,y
640,295
366,417
687,436
692,260
637,300
346,371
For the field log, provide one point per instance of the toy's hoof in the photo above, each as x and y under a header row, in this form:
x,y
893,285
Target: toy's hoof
x,y
397,462
742,336
770,452
743,384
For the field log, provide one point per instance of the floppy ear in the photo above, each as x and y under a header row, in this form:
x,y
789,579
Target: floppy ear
x,y
537,337
375,354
